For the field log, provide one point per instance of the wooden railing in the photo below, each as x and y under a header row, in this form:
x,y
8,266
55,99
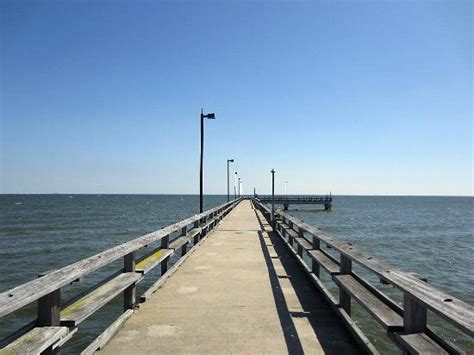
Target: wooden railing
x,y
57,322
405,325
295,199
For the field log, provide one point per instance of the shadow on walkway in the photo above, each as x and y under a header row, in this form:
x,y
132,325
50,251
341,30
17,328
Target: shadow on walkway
x,y
326,326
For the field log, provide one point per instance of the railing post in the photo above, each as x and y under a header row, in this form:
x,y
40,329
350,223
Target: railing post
x,y
184,231
414,315
314,265
290,238
165,244
129,295
49,307
300,247
204,230
344,296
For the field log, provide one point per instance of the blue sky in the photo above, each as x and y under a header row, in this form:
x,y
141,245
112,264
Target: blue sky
x,y
353,97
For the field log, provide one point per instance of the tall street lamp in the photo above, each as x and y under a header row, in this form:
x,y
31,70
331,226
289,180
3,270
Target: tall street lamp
x,y
210,116
238,188
228,161
235,186
273,195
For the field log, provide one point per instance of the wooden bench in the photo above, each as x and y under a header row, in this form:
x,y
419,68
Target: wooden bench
x,y
325,261
84,307
153,259
419,343
35,341
386,316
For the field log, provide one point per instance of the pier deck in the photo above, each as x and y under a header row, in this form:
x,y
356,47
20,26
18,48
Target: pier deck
x,y
241,291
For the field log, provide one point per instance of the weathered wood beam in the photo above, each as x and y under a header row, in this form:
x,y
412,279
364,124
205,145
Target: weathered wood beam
x,y
77,312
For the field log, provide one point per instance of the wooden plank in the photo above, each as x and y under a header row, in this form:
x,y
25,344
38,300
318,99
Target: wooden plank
x,y
35,341
26,293
290,231
419,343
107,334
387,317
304,243
75,313
357,333
153,259
66,338
322,259
180,241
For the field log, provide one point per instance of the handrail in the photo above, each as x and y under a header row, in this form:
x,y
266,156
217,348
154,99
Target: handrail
x,y
46,288
418,294
297,198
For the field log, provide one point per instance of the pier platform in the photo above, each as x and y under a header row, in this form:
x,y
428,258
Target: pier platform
x,y
241,291
286,201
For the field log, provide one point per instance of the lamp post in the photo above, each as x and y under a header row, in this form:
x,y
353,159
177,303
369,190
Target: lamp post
x,y
228,161
209,116
235,186
273,195
238,188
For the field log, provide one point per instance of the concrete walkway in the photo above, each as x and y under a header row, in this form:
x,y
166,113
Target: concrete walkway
x,y
240,292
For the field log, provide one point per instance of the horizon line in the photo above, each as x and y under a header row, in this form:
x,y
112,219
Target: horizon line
x,y
245,195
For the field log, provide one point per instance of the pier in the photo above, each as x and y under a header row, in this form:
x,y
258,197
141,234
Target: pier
x,y
326,201
239,282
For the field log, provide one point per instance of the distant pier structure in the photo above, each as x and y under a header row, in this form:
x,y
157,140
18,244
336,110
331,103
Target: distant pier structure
x,y
298,200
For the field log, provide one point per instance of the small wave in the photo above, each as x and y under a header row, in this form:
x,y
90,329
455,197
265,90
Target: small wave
x,y
17,203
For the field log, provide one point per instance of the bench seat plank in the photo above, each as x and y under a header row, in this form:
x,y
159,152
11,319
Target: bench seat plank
x,y
35,341
304,243
78,311
322,259
180,241
149,262
419,343
386,316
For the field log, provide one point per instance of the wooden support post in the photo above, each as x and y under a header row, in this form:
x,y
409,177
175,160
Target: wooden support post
x,y
300,247
315,266
414,315
129,295
49,307
184,231
165,244
196,237
203,230
344,296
